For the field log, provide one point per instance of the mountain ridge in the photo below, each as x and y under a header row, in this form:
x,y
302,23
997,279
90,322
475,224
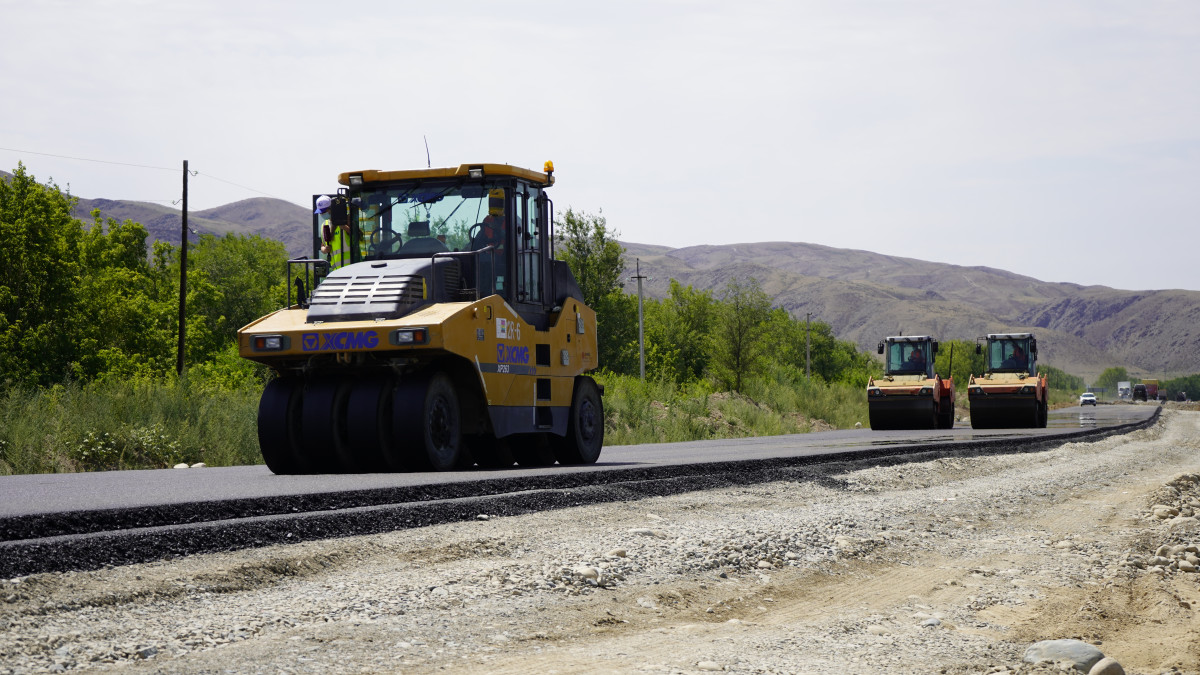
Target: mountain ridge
x,y
861,294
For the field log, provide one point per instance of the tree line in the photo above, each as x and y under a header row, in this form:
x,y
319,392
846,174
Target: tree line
x,y
84,302
729,337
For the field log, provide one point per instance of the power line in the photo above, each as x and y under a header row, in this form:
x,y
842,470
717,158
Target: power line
x,y
143,166
229,182
85,159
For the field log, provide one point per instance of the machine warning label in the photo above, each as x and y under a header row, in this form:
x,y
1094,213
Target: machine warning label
x,y
339,342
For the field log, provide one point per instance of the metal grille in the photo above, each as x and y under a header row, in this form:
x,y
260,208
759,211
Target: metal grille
x,y
362,291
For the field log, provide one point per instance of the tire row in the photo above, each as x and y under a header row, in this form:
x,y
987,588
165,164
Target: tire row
x,y
375,423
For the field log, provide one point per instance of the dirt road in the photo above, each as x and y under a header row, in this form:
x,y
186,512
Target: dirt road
x,y
950,564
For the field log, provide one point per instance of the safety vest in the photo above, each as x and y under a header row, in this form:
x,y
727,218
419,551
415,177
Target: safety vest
x,y
339,249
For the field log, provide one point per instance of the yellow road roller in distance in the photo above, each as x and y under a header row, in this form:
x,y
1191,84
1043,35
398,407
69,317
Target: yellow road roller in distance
x,y
1010,393
910,395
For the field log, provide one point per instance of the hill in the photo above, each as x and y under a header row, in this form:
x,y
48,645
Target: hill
x,y
862,295
264,216
865,296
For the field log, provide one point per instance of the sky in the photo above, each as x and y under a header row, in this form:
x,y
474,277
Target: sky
x,y
1058,139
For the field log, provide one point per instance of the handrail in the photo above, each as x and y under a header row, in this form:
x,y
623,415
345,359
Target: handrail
x,y
490,248
319,268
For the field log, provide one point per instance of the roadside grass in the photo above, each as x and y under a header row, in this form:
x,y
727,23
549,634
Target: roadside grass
x,y
146,424
142,424
659,412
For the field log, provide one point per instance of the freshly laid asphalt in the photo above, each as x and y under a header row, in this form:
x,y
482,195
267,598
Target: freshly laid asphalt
x,y
55,522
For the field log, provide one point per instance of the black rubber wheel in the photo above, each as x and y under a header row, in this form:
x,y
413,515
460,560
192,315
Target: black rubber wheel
x,y
279,424
323,439
369,426
1043,414
427,424
489,452
946,417
585,426
532,450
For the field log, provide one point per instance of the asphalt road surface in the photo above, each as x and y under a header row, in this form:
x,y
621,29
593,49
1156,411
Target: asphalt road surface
x,y
55,522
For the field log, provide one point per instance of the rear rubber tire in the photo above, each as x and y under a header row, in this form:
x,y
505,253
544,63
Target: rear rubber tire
x,y
585,426
278,425
369,426
427,423
323,439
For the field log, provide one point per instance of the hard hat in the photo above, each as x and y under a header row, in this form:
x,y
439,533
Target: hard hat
x,y
323,203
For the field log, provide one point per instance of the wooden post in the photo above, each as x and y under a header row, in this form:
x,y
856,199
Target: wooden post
x,y
183,246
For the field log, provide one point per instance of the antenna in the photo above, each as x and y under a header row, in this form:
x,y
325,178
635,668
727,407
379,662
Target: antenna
x,y
428,161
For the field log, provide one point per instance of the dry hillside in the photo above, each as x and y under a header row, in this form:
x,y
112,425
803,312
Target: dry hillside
x,y
862,295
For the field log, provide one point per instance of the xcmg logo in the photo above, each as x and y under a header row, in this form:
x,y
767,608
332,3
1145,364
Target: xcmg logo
x,y
325,342
513,354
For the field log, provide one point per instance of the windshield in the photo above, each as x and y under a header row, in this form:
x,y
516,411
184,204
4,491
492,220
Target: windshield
x,y
1008,355
907,358
418,221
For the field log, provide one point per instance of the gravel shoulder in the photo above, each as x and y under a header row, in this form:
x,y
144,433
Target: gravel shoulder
x,y
950,564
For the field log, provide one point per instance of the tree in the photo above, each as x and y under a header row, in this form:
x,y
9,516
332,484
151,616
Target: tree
x,y
121,329
593,253
965,362
680,328
1110,377
1060,379
38,279
740,332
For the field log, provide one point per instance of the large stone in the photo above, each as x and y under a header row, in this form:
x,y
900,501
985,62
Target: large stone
x,y
1080,655
1107,666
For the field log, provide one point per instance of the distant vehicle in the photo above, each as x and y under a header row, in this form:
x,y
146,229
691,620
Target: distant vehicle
x,y
1151,389
910,395
1124,391
1010,393
1087,398
1181,396
1139,392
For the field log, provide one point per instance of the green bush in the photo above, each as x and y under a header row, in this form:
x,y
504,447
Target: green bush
x,y
140,424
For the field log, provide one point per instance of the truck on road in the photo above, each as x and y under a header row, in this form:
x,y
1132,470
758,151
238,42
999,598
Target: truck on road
x,y
1124,391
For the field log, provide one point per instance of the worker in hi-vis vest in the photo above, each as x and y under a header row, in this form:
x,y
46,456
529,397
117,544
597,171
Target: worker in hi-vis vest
x,y
335,241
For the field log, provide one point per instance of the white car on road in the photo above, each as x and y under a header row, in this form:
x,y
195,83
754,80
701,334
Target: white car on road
x,y
1087,398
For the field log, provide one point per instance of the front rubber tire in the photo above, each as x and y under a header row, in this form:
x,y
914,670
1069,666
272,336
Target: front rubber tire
x,y
585,426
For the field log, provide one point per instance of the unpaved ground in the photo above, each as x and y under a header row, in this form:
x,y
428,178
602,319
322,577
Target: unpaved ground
x,y
950,565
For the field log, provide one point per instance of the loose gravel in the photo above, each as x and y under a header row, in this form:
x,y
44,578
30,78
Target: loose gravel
x,y
945,565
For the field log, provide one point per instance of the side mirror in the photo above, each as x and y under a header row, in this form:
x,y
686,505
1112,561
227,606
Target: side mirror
x,y
880,348
1033,346
338,214
978,348
934,348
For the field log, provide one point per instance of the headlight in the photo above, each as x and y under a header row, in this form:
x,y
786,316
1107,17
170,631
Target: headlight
x,y
269,343
925,391
874,392
977,390
409,336
1026,389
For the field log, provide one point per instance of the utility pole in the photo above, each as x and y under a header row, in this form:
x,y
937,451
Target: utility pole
x,y
183,274
807,347
641,340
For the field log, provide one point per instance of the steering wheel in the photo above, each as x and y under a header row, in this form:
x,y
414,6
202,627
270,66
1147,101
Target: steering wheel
x,y
473,232
385,242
